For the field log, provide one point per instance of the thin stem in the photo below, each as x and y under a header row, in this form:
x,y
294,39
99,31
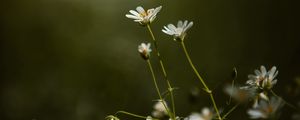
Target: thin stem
x,y
215,105
131,114
285,102
230,97
156,87
232,85
134,115
232,109
194,68
170,89
201,80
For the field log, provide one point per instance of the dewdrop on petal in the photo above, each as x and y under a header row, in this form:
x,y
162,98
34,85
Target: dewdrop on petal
x,y
144,50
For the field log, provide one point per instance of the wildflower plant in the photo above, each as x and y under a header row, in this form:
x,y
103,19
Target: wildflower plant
x,y
257,89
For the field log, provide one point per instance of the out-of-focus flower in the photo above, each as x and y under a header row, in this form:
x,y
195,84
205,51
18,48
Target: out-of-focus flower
x,y
145,50
177,118
239,94
178,32
206,114
111,117
258,97
263,79
149,118
296,117
143,17
159,109
266,109
194,116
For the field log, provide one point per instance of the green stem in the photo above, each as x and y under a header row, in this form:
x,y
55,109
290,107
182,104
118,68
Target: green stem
x,y
232,85
170,89
232,109
156,87
201,80
131,114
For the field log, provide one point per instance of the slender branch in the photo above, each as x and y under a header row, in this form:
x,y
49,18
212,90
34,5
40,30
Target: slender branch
x,y
232,85
201,80
170,89
194,68
157,89
131,114
215,105
232,109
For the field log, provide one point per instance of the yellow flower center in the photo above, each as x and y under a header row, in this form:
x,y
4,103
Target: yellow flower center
x,y
143,14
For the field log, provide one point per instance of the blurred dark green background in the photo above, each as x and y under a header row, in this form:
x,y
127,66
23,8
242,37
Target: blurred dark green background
x,y
78,59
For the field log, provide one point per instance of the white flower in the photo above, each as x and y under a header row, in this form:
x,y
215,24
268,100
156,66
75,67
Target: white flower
x,y
194,116
159,109
176,118
206,114
263,79
145,50
111,117
266,109
149,118
143,17
178,32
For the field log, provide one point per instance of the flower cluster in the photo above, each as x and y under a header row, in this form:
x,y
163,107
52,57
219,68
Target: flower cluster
x,y
262,82
146,17
257,89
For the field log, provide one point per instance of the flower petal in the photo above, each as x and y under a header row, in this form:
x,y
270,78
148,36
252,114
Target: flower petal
x,y
188,26
254,114
179,24
131,16
134,12
140,9
171,27
263,70
167,32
